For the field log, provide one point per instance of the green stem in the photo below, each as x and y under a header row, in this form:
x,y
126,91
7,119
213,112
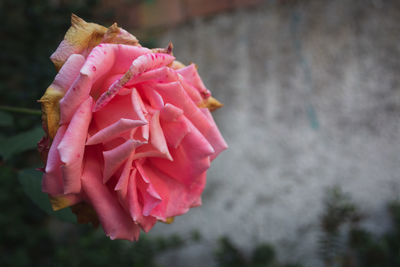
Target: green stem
x,y
21,110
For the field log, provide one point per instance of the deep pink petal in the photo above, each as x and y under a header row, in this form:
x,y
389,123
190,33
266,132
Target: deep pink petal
x,y
114,158
119,107
214,136
173,127
138,106
191,157
201,118
71,147
139,65
135,207
116,223
114,130
192,76
174,197
157,146
163,74
150,197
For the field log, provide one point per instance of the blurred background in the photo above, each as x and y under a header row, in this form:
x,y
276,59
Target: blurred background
x,y
312,116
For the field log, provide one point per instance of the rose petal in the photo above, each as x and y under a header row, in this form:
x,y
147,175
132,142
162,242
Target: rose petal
x,y
192,76
114,130
68,73
64,201
150,196
201,118
116,223
163,75
71,147
214,135
114,158
119,107
135,208
173,127
191,157
80,36
173,194
78,92
52,182
50,100
139,65
157,146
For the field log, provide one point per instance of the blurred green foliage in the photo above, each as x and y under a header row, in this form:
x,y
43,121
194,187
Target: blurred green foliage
x,y
31,238
30,31
344,242
264,255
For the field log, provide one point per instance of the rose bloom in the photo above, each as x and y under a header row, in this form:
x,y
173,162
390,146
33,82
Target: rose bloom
x,y
129,133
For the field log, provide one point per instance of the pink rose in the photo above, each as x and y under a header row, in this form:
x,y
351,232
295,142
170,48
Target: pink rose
x,y
130,131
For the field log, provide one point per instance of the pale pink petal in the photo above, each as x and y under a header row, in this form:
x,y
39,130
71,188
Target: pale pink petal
x,y
114,130
114,158
71,147
52,182
116,223
68,73
192,92
78,92
192,76
99,62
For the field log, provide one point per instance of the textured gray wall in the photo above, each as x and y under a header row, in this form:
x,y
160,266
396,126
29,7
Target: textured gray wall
x,y
312,99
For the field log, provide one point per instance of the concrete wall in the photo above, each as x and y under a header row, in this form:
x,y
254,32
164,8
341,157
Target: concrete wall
x,y
312,99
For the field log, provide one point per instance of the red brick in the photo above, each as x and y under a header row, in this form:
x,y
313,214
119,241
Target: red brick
x,y
246,3
160,13
196,8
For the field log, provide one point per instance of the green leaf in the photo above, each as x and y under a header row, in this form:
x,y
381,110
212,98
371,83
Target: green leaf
x,y
19,143
31,181
5,119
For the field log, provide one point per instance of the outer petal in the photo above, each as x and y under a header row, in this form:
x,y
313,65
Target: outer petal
x,y
192,76
80,37
174,94
116,223
52,182
64,201
71,148
173,194
74,97
214,136
50,100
